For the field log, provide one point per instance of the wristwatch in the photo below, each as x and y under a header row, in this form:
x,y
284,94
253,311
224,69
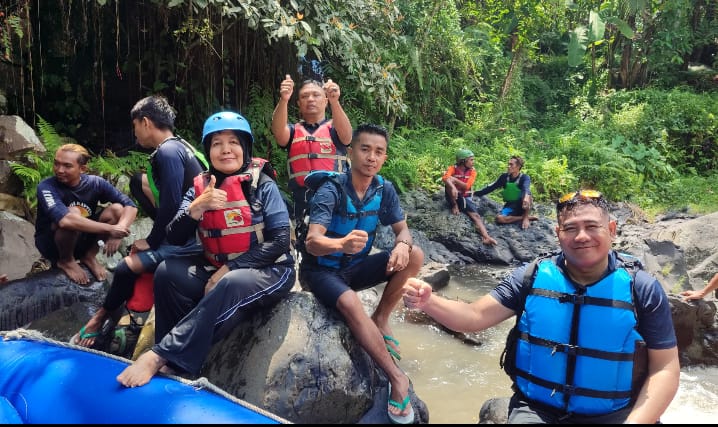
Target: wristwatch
x,y
406,242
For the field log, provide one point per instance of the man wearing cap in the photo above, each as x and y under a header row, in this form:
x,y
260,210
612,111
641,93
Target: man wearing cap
x,y
458,180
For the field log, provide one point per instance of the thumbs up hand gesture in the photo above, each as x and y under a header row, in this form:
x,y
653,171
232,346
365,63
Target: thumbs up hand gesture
x,y
286,88
212,198
332,91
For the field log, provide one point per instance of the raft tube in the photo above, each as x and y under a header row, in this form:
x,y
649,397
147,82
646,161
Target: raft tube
x,y
47,382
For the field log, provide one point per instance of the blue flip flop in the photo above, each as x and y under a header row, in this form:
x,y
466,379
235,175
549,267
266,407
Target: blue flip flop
x,y
390,349
400,419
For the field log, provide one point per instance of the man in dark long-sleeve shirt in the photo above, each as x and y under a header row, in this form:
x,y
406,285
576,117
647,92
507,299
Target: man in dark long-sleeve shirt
x,y
173,166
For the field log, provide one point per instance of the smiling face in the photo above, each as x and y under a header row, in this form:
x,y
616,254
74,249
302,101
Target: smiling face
x,y
586,234
226,152
67,167
368,154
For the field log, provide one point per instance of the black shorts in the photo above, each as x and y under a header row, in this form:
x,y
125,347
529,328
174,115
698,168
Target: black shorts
x,y
329,284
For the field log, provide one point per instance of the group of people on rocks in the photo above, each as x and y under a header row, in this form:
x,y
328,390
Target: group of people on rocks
x,y
594,339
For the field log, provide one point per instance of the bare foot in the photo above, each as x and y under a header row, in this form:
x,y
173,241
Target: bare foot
x,y
525,223
97,269
141,371
488,240
74,271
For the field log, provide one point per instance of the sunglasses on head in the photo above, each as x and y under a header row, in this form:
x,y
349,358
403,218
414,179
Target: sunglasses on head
x,y
578,196
583,194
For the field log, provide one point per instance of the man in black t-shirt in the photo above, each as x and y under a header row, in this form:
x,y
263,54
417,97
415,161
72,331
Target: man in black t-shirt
x,y
70,221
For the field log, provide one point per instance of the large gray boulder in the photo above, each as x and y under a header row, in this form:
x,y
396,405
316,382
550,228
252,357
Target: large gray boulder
x,y
16,138
17,245
429,215
302,362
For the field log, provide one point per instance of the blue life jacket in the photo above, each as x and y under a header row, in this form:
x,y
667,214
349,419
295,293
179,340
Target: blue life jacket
x,y
563,358
352,215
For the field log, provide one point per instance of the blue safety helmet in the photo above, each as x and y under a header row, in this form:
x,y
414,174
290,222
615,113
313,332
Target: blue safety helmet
x,y
229,120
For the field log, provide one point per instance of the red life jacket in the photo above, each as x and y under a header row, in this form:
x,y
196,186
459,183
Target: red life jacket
x,y
227,233
463,174
313,151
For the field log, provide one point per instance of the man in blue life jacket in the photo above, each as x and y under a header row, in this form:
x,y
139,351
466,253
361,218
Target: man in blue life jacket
x,y
594,339
516,193
336,262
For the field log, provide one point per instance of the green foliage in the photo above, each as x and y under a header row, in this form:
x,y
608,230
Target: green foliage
x,y
550,179
677,126
37,166
112,167
692,193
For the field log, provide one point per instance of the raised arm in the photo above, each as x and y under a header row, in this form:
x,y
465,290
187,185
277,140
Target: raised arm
x,y
280,116
340,120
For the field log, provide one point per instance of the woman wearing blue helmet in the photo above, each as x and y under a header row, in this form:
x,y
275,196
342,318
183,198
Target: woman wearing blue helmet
x,y
238,213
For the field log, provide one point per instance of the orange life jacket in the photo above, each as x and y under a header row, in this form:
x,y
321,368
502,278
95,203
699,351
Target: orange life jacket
x,y
313,151
227,233
463,174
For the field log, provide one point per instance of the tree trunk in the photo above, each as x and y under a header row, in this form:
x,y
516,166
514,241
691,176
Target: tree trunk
x,y
515,61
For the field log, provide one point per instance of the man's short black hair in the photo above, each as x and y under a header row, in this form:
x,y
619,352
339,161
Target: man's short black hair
x,y
157,109
371,129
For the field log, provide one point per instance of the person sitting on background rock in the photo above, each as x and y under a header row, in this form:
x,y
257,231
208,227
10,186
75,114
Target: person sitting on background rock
x,y
70,220
710,287
458,180
243,223
174,164
516,194
336,260
594,340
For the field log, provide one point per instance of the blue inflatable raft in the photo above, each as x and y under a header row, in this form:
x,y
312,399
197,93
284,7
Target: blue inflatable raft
x,y
47,382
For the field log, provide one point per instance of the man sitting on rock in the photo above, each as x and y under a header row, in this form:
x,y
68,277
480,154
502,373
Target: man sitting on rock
x,y
70,220
516,193
336,263
458,180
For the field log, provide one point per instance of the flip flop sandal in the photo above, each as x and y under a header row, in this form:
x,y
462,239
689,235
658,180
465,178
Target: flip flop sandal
x,y
400,419
390,349
83,335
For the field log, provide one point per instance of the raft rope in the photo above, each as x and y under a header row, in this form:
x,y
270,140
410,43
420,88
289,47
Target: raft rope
x,y
199,383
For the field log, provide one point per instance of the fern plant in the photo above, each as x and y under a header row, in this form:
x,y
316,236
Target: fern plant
x,y
37,165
